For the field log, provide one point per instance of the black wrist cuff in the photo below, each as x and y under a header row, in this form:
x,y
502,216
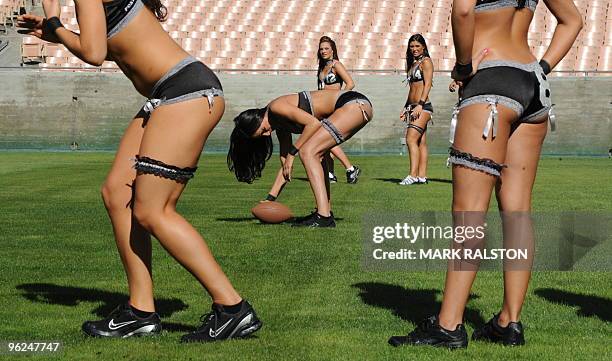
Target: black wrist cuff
x,y
463,70
545,66
270,198
51,25
293,151
421,102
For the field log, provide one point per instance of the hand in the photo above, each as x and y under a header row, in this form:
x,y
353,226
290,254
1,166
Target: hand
x,y
288,167
33,25
476,60
454,86
416,112
404,115
52,8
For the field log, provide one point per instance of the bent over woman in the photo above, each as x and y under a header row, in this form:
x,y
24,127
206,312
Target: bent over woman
x,y
324,119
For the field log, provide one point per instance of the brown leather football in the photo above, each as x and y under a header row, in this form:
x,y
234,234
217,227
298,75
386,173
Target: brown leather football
x,y
272,212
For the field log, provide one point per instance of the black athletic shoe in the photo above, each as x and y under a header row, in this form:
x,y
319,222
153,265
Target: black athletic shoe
x,y
316,220
430,333
219,325
297,220
353,176
123,323
332,178
511,335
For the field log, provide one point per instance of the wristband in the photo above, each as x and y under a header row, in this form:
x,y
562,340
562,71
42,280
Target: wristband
x,y
545,66
463,71
422,103
270,198
293,151
51,25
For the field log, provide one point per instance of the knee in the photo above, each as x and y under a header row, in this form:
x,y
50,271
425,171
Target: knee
x,y
310,152
413,137
115,194
516,203
147,215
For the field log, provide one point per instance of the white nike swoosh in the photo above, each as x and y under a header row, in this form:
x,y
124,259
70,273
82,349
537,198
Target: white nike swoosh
x,y
214,334
115,326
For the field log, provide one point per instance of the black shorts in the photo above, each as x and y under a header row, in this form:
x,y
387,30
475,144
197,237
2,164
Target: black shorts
x,y
349,97
187,80
427,107
520,87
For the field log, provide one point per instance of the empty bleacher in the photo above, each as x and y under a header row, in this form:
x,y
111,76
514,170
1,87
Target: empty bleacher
x,y
279,35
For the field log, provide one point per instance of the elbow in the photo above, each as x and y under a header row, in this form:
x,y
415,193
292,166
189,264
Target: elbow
x,y
578,24
575,22
95,57
462,10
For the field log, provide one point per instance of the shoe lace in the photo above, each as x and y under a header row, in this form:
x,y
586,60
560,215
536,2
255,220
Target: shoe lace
x,y
205,319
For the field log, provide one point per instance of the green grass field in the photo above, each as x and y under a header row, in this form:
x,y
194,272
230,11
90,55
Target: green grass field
x,y
60,267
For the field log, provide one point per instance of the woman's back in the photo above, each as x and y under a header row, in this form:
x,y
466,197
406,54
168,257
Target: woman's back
x,y
503,30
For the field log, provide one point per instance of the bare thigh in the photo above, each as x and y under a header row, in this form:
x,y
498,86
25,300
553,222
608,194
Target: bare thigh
x,y
122,173
349,119
523,154
472,188
175,135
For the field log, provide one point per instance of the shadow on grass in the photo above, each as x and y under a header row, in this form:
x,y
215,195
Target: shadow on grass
x,y
237,219
413,305
440,180
72,296
389,180
588,306
397,180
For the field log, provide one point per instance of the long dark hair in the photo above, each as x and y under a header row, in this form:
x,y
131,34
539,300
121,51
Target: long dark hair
x,y
323,62
521,4
409,56
247,156
156,6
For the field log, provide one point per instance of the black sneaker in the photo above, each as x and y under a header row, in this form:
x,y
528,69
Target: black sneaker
x,y
123,323
297,220
219,325
316,220
511,335
353,176
430,333
332,178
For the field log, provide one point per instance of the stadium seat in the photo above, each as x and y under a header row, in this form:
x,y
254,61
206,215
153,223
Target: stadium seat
x,y
371,34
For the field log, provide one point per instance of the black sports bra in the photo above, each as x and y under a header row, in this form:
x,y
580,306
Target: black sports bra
x,y
416,74
488,5
119,13
331,77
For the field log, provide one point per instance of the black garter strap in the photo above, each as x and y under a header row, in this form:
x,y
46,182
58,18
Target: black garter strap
x,y
481,164
417,128
148,165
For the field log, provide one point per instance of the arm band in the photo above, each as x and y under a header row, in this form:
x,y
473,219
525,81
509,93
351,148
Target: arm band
x,y
293,151
51,25
270,198
422,103
463,70
545,66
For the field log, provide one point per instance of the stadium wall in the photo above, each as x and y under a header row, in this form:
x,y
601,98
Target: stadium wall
x,y
51,110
